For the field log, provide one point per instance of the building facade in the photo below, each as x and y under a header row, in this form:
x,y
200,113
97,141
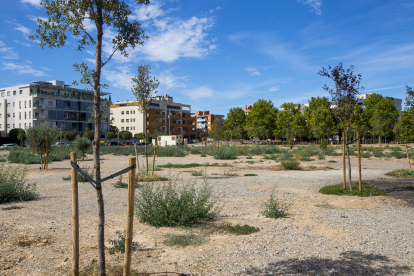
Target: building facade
x,y
164,116
247,109
54,102
397,102
205,120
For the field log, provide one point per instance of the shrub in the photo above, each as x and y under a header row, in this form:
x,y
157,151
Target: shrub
x,y
243,230
324,144
185,240
378,154
273,209
3,159
226,152
366,154
180,166
291,164
242,150
250,174
401,173
174,205
321,155
171,151
395,149
142,176
82,144
88,171
367,190
13,185
197,173
397,155
119,244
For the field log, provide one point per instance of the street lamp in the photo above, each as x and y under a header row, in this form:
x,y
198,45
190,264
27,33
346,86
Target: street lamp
x,y
169,124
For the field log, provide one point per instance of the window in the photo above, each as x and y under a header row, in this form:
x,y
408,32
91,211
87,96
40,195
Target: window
x,y
30,124
0,115
20,115
8,115
14,115
14,92
127,120
24,125
20,125
0,104
30,114
50,103
0,125
13,104
25,104
122,112
30,103
25,115
21,92
14,126
8,125
8,93
122,120
8,104
127,112
122,128
20,105
2,94
127,128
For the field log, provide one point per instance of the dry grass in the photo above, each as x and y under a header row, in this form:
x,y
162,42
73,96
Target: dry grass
x,y
25,240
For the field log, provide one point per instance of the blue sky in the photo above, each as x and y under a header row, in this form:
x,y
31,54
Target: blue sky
x,y
216,55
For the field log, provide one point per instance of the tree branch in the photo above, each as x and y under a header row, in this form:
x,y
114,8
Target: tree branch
x,y
103,64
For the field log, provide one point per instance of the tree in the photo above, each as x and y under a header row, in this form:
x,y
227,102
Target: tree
x,y
384,118
36,137
347,86
236,118
409,99
70,17
110,135
262,114
322,120
285,118
405,127
70,136
82,144
89,134
21,136
61,133
140,135
13,133
114,129
126,135
370,102
216,130
144,89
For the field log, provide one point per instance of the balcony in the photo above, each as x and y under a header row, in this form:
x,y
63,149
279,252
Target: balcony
x,y
43,106
40,117
64,95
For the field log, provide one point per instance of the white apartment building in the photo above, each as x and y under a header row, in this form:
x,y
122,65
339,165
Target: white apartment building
x,y
173,118
54,101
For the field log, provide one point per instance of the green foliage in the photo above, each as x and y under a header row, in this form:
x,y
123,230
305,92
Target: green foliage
x,y
378,154
82,144
324,144
291,165
126,135
70,136
243,230
140,136
118,245
321,155
332,161
37,137
197,173
13,133
89,134
88,171
401,173
185,240
397,155
243,150
366,154
25,156
110,135
326,206
171,151
395,149
68,178
235,119
367,190
3,159
174,204
250,162
13,185
274,209
191,165
226,152
250,174
261,116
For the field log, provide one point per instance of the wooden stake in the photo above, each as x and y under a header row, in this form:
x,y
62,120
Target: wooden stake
x,y
153,163
75,217
47,153
343,158
130,218
359,162
408,157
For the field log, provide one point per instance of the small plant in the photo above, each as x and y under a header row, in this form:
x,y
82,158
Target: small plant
x,y
250,174
203,155
185,240
88,171
324,144
401,173
226,152
249,157
291,164
120,184
367,190
68,178
197,173
250,161
243,230
2,159
326,206
13,185
142,176
118,245
332,161
273,209
321,155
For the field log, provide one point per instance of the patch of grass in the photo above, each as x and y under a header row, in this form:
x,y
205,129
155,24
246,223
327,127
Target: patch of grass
x,y
249,157
180,166
13,186
332,161
142,176
2,159
274,209
261,161
26,241
326,206
12,208
397,155
118,245
68,178
203,155
185,240
306,159
378,154
395,149
197,173
175,204
226,152
367,190
291,164
321,155
366,154
250,174
243,230
250,161
401,173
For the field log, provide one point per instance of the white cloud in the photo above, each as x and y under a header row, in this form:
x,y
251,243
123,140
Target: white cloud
x,y
168,80
253,71
200,92
89,25
23,69
35,3
35,18
122,78
20,27
7,52
274,88
216,9
314,4
147,12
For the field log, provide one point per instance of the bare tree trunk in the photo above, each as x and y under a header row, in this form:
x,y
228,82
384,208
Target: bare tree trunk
x,y
146,147
96,145
349,160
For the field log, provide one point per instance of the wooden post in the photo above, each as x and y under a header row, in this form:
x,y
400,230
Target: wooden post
x,y
359,162
408,157
343,158
47,153
153,163
75,217
130,218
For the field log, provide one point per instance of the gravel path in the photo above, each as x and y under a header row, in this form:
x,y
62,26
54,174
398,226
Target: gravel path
x,y
358,236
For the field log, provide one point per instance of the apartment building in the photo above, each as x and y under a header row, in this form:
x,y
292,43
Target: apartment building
x,y
171,118
54,101
205,119
247,109
397,102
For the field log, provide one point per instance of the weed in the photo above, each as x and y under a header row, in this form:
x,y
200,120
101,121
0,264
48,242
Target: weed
x,y
120,184
119,244
142,176
332,161
395,149
326,206
68,178
261,161
250,161
250,174
366,154
249,157
273,209
2,159
367,190
321,155
13,185
87,171
243,230
291,164
226,152
397,155
203,155
185,240
197,173
401,173
174,166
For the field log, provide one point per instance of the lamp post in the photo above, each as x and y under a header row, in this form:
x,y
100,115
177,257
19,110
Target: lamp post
x,y
169,123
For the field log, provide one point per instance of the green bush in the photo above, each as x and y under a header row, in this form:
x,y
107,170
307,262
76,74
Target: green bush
x,y
243,230
274,209
378,154
401,173
185,240
119,244
171,151
321,155
88,171
397,155
226,152
173,204
13,185
367,190
3,159
366,154
242,150
395,149
291,164
197,173
324,144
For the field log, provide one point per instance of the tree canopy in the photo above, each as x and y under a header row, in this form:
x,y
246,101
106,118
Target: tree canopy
x,y
263,115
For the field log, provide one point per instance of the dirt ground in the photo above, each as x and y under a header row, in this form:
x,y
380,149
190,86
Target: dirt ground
x,y
396,187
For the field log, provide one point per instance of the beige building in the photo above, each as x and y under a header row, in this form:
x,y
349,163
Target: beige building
x,y
173,118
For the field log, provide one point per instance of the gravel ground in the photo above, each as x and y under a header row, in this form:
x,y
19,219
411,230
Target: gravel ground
x,y
357,236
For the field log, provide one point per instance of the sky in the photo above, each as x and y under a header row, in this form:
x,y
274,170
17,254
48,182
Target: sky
x,y
215,55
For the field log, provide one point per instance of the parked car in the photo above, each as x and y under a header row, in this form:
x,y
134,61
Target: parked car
x,y
11,145
114,144
57,144
127,144
136,143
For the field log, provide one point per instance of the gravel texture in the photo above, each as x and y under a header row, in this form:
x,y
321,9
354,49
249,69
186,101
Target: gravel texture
x,y
357,236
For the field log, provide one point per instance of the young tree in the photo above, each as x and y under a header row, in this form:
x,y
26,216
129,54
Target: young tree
x,y
36,137
89,134
82,144
216,130
126,135
236,118
347,86
21,136
406,125
14,133
144,89
384,118
140,136
262,114
70,136
409,100
285,118
110,135
110,17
